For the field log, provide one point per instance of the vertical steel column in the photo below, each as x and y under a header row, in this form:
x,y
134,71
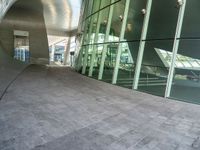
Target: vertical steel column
x,y
87,47
175,47
119,50
67,51
96,37
82,43
86,36
103,57
142,45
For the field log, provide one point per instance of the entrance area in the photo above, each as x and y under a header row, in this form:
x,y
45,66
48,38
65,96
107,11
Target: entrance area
x,y
21,46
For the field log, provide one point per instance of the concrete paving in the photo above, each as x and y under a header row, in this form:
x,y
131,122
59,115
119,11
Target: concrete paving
x,y
58,109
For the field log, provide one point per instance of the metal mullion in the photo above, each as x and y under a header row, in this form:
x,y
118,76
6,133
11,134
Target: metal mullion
x,y
86,50
95,41
103,57
122,33
142,45
175,48
80,63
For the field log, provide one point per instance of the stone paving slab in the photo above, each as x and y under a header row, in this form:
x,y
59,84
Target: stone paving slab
x,y
49,108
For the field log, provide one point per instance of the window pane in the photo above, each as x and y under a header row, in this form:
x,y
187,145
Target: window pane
x,y
186,83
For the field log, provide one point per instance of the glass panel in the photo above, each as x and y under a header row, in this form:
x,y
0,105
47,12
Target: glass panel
x,y
84,10
135,20
191,22
101,38
86,32
111,48
157,52
127,64
111,52
105,3
99,50
163,19
96,6
117,21
89,8
186,83
154,71
130,49
103,24
90,29
93,27
87,53
89,49
81,57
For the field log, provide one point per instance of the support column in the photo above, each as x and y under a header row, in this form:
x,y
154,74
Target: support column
x,y
182,4
142,45
122,33
103,57
52,52
67,51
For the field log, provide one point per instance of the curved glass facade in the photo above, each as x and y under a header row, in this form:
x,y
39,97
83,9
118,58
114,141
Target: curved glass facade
x,y
146,45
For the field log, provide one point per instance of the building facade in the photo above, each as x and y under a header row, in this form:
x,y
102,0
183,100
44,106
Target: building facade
x,y
146,45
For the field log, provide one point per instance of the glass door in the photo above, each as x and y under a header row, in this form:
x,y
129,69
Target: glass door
x,y
21,46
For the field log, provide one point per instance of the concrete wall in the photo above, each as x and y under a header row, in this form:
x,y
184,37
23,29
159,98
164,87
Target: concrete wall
x,y
25,19
9,69
21,17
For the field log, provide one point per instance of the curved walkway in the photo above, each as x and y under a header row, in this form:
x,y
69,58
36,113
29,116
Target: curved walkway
x,y
58,109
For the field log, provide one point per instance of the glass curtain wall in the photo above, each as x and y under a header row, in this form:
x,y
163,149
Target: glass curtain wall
x,y
84,26
103,23
160,36
90,37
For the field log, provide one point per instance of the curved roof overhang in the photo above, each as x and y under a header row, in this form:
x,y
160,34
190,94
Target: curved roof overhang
x,y
61,16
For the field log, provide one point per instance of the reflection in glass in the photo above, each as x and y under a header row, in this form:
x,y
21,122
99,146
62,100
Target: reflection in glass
x,y
186,82
117,21
127,64
154,71
110,61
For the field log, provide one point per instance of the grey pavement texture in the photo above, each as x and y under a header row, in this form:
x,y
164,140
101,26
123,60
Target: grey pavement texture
x,y
49,108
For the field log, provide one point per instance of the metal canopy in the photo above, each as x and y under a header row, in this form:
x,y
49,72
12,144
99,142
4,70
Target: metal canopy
x,y
60,15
